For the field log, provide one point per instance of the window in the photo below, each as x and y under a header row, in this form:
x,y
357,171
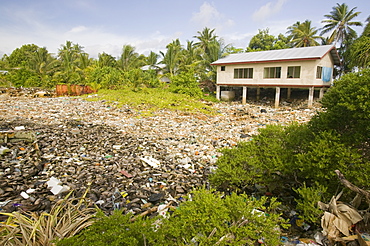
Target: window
x,y
318,72
243,73
294,72
272,72
222,68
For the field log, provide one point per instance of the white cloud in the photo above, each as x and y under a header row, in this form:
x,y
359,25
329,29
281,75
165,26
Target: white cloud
x,y
268,10
78,29
209,16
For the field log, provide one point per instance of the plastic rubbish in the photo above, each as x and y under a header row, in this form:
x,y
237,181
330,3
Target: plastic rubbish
x,y
126,174
162,210
25,195
117,147
151,161
4,150
55,188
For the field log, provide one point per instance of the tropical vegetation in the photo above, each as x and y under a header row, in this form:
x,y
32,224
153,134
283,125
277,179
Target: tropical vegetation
x,y
282,168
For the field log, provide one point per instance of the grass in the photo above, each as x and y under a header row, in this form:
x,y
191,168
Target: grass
x,y
148,100
67,218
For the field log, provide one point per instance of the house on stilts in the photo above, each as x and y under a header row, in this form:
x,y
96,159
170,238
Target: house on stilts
x,y
307,67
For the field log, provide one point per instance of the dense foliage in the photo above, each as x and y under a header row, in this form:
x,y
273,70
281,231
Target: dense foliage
x,y
207,218
33,66
299,161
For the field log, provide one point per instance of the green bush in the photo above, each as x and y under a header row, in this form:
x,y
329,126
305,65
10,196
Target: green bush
x,y
186,83
279,160
213,219
105,77
207,218
268,160
347,106
116,229
22,77
307,203
324,155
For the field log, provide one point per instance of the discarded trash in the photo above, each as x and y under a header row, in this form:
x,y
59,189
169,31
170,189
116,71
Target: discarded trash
x,y
4,150
162,210
155,197
117,147
151,161
25,195
126,174
55,188
19,128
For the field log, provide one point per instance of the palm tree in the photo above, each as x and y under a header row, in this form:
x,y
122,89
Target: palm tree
x,y
190,57
106,60
206,37
340,21
129,58
69,55
303,35
42,62
172,56
152,59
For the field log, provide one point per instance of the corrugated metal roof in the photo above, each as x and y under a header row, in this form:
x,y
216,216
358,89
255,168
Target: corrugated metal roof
x,y
313,52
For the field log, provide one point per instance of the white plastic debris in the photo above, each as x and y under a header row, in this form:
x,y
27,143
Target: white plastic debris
x,y
25,195
19,128
100,202
151,161
55,187
4,150
117,147
162,210
29,191
58,189
53,182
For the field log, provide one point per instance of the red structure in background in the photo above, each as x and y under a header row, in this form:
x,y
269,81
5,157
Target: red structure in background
x,y
73,90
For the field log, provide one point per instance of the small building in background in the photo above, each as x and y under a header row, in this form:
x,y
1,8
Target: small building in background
x,y
306,67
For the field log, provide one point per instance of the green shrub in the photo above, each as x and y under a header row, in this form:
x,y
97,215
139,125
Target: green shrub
x,y
207,218
213,219
279,160
347,106
324,155
21,77
268,160
116,229
105,77
307,203
186,83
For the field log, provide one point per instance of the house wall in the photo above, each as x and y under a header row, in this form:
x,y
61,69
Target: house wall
x,y
307,76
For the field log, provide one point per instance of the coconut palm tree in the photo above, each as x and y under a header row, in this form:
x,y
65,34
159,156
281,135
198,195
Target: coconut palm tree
x,y
339,21
172,56
129,59
68,56
106,60
303,34
206,38
42,62
152,58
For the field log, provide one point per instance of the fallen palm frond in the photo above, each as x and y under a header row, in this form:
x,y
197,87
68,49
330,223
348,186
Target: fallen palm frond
x,y
66,218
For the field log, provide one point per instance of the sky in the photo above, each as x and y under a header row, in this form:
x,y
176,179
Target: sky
x,y
149,25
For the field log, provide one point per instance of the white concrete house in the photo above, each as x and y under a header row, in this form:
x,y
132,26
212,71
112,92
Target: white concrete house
x,y
307,67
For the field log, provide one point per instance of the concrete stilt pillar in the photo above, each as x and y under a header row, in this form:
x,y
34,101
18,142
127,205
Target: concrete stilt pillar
x,y
277,97
322,90
289,93
258,93
218,92
310,97
244,98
